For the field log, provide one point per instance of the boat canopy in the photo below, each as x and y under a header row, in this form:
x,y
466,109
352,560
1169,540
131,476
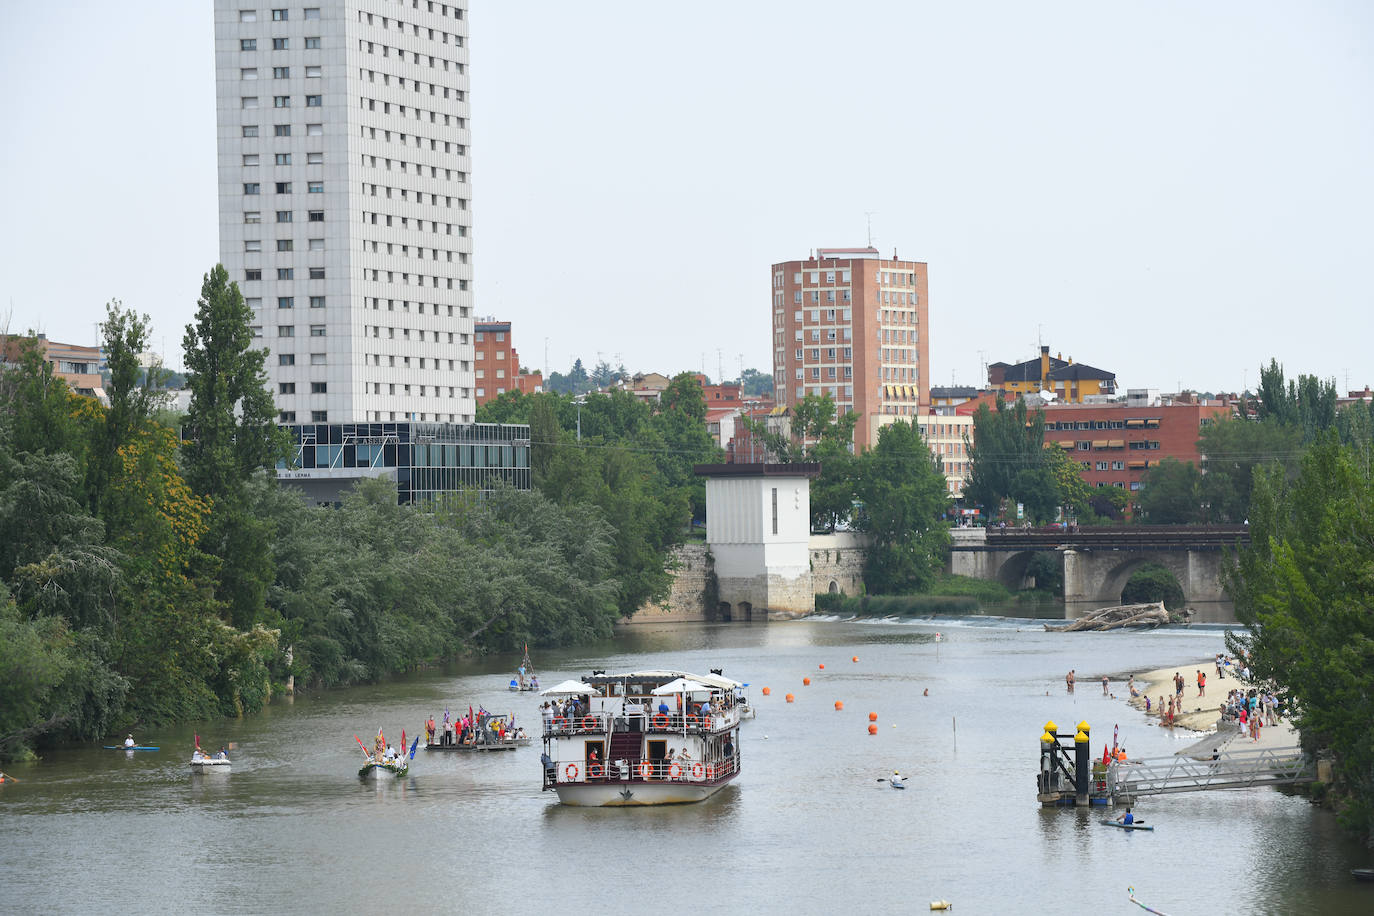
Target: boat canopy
x,y
680,685
709,681
571,689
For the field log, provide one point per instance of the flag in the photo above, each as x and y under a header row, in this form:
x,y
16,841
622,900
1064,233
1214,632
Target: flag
x,y
197,742
413,746
1106,754
403,741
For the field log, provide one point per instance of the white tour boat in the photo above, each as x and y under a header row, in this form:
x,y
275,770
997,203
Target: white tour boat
x,y
202,762
641,738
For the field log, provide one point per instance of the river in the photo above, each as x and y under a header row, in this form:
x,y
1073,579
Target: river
x,y
807,828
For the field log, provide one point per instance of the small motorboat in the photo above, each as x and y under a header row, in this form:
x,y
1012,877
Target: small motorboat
x,y
1136,826
201,763
1362,874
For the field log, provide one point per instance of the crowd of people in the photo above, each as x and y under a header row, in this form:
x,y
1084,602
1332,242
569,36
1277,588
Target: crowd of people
x,y
1250,710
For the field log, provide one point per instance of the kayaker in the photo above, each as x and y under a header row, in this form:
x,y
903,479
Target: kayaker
x,y
1126,819
129,741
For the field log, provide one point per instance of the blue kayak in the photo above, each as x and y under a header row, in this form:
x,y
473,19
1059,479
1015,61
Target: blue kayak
x,y
120,747
1135,826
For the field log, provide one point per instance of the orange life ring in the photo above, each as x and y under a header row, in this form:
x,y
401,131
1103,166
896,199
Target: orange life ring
x,y
645,769
594,771
571,771
692,721
660,721
706,723
697,771
559,723
589,723
675,771
710,771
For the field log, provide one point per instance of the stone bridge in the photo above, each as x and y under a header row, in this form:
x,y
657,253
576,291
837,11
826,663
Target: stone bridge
x,y
1098,561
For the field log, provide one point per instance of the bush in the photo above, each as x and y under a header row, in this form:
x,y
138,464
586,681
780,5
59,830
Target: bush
x,y
830,601
903,605
1153,583
985,591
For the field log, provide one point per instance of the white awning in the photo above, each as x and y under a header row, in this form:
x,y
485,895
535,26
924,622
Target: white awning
x,y
570,689
680,685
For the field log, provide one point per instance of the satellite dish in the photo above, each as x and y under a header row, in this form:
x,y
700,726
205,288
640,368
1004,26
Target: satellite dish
x,y
1047,395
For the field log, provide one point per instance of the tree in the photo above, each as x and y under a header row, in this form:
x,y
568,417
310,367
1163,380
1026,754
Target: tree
x,y
1304,591
1005,442
233,435
902,489
37,405
133,397
1233,448
1171,494
1153,582
1074,492
753,383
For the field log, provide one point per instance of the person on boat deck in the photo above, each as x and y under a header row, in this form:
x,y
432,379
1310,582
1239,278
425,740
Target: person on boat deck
x,y
729,748
663,707
223,753
129,741
197,753
1127,818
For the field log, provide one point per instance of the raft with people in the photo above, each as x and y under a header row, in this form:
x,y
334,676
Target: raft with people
x,y
478,731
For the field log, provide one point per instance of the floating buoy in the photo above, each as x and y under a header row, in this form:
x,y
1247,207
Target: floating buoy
x,y
790,698
873,729
822,667
940,904
768,691
854,659
839,704
806,682
873,717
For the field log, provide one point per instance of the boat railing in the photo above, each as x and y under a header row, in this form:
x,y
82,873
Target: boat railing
x,y
640,770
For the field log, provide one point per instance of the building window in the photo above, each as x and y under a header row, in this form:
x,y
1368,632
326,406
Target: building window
x,y
286,388
317,302
314,158
283,187
250,130
775,510
280,44
314,101
280,73
313,73
279,16
252,245
312,43
248,73
317,273
316,216
249,101
286,416
281,101
281,130
281,158
283,216
315,187
316,244
248,15
254,303
312,12
286,273
286,359
286,330
319,416
252,216
286,302
317,330
314,130
285,245
319,387
253,273
318,359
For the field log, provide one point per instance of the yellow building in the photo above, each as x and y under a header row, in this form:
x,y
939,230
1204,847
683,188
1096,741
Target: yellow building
x,y
1070,382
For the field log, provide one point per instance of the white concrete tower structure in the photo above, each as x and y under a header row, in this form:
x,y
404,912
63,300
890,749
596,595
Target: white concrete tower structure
x,y
758,526
345,202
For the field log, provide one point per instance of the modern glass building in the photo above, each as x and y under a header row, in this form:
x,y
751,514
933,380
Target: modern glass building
x,y
426,460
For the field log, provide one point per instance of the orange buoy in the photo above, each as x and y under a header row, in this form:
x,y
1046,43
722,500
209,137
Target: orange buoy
x,y
873,729
790,698
806,682
768,691
822,667
839,704
873,717
854,659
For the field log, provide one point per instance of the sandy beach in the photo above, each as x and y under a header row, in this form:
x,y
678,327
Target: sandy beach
x,y
1203,713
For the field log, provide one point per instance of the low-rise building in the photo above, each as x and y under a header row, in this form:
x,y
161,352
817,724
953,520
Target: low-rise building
x,y
1069,382
76,365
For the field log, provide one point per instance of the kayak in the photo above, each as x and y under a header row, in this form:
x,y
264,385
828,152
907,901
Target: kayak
x,y
1362,874
120,747
1136,826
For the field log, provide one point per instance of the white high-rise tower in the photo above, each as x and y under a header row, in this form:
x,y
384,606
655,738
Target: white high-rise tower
x,y
345,203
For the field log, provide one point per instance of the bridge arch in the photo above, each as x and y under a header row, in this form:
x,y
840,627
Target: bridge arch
x,y
1115,577
1011,572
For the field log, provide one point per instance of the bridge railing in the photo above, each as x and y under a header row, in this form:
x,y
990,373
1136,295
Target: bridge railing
x,y
1238,770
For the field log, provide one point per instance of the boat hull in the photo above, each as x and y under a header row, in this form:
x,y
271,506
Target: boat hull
x,y
209,766
634,794
381,771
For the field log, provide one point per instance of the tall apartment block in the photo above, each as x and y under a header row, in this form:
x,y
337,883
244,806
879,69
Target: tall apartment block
x,y
345,203
851,324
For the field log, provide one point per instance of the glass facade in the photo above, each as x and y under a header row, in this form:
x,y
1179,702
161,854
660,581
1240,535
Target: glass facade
x,y
427,459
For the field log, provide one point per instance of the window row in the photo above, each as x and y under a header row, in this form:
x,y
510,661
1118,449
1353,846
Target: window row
x,y
898,335
463,311
407,222
900,374
283,273
280,15
282,101
415,56
418,196
288,417
255,245
897,355
284,130
289,330
415,4
434,336
830,334
405,251
390,276
290,388
284,216
280,73
415,85
312,43
816,296
370,133
251,159
814,355
251,188
365,160
457,121
463,365
814,315
815,372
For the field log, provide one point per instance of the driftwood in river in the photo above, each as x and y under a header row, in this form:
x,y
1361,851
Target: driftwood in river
x,y
1152,614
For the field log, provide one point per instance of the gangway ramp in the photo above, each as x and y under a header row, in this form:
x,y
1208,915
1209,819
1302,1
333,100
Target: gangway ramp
x,y
1237,770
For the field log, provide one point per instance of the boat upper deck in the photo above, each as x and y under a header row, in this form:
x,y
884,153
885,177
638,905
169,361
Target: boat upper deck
x,y
644,701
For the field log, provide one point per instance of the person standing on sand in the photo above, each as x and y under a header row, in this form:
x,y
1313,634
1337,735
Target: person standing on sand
x,y
1068,680
1178,684
1105,682
1201,684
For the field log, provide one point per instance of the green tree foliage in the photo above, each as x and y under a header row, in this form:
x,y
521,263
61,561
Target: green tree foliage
x,y
902,488
1007,459
1108,503
817,433
38,406
232,436
1171,494
1233,448
1153,582
754,384
133,395
1305,590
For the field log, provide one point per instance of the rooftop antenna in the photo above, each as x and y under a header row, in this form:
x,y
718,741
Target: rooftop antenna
x,y
547,367
720,367
868,217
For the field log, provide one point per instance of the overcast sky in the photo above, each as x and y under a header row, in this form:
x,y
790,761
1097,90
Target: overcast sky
x,y
1174,192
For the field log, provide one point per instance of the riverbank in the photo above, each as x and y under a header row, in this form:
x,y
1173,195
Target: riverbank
x,y
1203,713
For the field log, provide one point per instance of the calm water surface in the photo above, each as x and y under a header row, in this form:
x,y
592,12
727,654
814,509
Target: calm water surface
x,y
807,828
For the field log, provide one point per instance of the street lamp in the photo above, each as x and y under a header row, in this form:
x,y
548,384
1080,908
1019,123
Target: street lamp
x,y
579,401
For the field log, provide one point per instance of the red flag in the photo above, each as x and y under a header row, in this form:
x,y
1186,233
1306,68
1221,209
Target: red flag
x,y
1106,754
197,742
403,741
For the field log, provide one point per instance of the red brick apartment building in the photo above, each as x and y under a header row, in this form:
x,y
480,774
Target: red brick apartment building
x,y
497,364
853,325
1114,444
